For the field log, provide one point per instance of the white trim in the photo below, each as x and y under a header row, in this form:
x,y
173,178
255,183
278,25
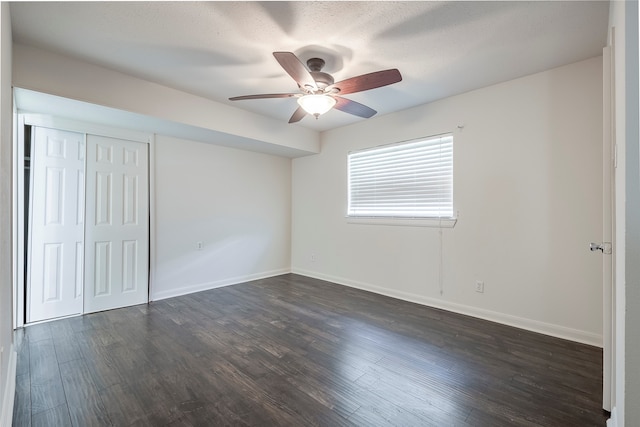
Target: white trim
x,y
608,229
407,222
152,215
613,421
6,416
18,222
493,316
217,284
60,123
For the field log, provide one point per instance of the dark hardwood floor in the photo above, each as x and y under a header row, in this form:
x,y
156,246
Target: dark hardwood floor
x,y
295,351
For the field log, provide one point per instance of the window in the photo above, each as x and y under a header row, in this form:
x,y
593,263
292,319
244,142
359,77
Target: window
x,y
411,179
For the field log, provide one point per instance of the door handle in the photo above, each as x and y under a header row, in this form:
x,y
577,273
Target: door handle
x,y
604,247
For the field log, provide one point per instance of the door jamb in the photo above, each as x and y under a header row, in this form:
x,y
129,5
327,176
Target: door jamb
x,y
19,225
608,279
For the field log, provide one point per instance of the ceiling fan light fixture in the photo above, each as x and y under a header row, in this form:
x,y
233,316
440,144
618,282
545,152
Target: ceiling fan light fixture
x,y
320,92
316,104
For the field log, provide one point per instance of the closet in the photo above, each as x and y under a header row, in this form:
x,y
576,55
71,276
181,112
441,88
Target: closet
x,y
87,223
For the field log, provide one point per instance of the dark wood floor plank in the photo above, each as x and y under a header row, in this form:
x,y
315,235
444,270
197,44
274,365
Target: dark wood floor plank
x,y
123,406
62,328
294,351
44,374
310,408
160,405
43,364
67,348
54,417
85,406
79,323
46,395
38,332
102,370
129,362
22,352
22,402
431,405
380,412
271,409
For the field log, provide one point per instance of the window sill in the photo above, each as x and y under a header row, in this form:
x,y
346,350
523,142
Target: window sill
x,y
406,222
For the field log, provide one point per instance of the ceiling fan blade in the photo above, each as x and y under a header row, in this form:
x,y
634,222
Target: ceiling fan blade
x,y
353,107
367,81
296,69
265,95
298,115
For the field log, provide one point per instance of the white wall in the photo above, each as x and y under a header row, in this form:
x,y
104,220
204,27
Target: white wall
x,y
7,359
238,203
528,187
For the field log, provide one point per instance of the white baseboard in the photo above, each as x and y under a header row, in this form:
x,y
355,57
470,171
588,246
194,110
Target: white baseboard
x,y
506,319
6,416
156,296
613,421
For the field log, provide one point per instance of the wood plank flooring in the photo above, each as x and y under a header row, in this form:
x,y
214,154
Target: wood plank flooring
x,y
296,351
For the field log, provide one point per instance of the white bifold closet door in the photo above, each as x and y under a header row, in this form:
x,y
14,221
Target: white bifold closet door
x,y
117,224
89,235
55,261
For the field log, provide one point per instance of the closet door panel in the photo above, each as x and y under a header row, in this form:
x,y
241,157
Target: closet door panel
x,y
117,232
54,265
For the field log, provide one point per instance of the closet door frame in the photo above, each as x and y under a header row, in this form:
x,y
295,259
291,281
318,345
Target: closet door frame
x,y
48,121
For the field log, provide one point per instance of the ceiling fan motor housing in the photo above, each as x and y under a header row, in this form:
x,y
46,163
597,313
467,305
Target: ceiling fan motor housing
x,y
322,79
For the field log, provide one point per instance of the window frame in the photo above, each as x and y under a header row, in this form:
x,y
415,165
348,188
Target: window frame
x,y
421,221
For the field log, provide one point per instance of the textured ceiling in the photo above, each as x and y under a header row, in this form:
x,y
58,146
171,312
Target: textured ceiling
x,y
222,49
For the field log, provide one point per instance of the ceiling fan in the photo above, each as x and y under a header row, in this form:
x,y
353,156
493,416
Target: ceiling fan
x,y
318,92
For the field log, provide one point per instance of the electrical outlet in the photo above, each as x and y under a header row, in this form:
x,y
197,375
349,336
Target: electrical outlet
x,y
313,258
480,286
199,246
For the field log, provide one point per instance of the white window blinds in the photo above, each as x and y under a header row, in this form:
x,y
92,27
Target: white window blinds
x,y
407,180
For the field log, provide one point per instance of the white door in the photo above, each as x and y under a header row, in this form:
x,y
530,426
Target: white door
x,y
56,250
117,230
